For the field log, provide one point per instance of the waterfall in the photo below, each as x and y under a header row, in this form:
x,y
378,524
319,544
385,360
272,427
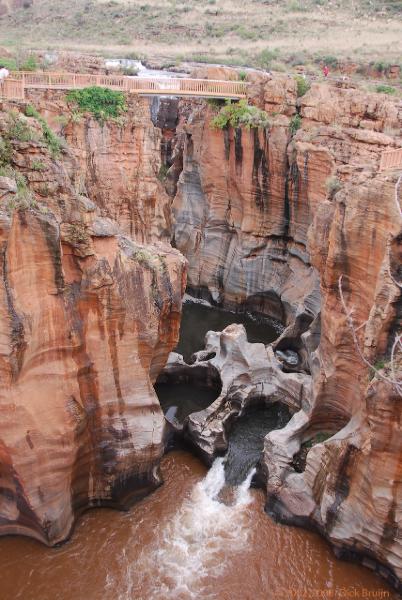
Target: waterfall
x,y
192,545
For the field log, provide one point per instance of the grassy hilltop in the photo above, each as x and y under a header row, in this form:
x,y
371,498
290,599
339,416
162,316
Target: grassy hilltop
x,y
255,32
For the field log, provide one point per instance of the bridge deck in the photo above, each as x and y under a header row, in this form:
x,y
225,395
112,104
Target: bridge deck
x,y
14,87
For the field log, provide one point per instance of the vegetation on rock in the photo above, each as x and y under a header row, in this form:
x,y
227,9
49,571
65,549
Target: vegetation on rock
x,y
333,185
295,123
240,114
100,102
385,89
52,141
303,86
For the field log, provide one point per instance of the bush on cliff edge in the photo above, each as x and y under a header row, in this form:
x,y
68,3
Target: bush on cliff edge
x,y
240,113
102,103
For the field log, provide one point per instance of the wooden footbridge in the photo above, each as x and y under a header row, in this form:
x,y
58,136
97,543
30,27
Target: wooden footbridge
x,y
15,86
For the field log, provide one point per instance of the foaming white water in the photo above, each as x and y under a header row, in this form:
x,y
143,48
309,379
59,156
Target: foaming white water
x,y
193,544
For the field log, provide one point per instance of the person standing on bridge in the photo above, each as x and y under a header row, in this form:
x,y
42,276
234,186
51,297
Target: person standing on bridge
x,y
4,73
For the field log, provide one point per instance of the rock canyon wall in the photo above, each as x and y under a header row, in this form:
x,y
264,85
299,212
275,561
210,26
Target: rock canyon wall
x,y
88,318
269,220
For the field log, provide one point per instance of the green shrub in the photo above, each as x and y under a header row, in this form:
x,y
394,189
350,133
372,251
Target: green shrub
x,y
38,165
6,171
265,57
385,89
330,61
18,129
303,85
240,114
30,64
9,63
295,123
5,152
101,102
54,143
163,171
242,75
23,200
381,66
333,185
216,102
21,181
380,364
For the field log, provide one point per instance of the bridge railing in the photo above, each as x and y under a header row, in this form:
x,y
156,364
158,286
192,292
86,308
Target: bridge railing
x,y
12,88
391,159
139,85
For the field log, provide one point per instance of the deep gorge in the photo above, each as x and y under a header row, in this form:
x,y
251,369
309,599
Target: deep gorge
x,y
245,220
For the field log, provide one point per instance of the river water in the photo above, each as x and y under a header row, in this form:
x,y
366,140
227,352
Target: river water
x,y
200,536
199,317
182,543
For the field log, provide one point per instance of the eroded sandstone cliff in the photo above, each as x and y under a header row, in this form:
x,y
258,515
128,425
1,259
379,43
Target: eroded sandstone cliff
x,y
88,318
269,221
272,221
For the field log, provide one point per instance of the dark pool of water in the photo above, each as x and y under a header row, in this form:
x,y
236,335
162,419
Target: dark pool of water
x,y
198,319
246,439
178,400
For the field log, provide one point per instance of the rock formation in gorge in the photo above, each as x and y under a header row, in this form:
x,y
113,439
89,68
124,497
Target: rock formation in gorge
x,y
88,318
270,221
273,222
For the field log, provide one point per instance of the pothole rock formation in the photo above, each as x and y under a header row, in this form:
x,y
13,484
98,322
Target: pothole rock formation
x,y
250,375
88,318
269,221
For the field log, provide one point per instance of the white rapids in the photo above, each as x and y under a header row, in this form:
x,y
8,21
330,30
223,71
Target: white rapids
x,y
191,545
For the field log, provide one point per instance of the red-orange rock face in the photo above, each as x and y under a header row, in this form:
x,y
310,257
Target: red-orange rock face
x,y
267,215
233,220
117,165
88,318
268,220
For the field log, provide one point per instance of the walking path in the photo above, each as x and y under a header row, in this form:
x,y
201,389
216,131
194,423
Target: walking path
x,y
15,86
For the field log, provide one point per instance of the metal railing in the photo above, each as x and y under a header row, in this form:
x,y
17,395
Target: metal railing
x,y
137,85
391,159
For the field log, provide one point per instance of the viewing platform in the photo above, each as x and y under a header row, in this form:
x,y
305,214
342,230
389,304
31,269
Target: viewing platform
x,y
14,86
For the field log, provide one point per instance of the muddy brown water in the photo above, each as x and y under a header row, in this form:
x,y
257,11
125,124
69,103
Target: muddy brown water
x,y
176,543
